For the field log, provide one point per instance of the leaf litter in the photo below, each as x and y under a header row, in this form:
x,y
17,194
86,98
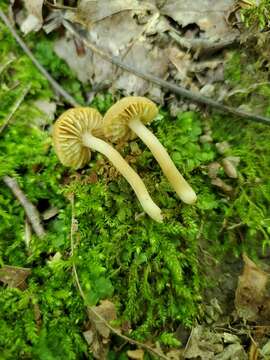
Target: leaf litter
x,y
144,35
14,276
98,334
252,298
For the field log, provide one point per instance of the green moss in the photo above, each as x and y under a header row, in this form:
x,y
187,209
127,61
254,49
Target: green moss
x,y
257,15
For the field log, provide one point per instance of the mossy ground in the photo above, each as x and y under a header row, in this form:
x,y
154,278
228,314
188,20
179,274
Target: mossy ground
x,y
152,272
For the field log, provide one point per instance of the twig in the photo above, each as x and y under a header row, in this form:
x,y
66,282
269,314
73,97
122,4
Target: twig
x,y
30,209
200,46
248,89
27,233
57,88
165,84
91,310
15,107
7,63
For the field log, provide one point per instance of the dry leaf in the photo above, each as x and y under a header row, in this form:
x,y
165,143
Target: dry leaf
x,y
90,12
81,65
181,60
233,351
47,107
108,312
203,344
119,35
34,20
229,165
149,59
266,350
229,338
175,354
222,185
136,354
14,277
213,169
97,348
223,147
209,15
98,334
89,336
252,301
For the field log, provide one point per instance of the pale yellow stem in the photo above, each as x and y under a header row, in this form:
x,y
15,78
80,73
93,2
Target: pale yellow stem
x,y
129,174
181,187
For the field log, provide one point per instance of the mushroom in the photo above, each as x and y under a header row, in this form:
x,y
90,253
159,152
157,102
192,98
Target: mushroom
x,y
127,117
76,132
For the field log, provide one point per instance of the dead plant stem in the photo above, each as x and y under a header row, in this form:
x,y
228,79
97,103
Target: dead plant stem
x,y
15,107
30,210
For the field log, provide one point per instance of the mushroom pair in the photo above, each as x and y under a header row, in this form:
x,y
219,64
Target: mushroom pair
x,y
79,130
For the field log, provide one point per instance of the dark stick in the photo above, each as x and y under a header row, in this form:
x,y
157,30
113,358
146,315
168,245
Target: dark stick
x,y
29,208
167,85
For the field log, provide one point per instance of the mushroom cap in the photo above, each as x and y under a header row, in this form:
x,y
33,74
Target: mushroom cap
x,y
116,119
67,135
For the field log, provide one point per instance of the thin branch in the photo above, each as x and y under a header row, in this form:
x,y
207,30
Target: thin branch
x,y
27,233
90,310
201,46
165,84
30,210
72,232
15,107
7,63
57,88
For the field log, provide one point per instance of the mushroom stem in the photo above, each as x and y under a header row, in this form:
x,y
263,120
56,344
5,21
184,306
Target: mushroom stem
x,y
181,187
129,174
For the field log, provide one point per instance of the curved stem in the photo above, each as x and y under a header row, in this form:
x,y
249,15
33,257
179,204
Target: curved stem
x,y
181,187
129,174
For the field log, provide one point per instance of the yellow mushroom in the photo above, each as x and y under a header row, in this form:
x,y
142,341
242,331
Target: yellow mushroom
x,y
127,118
76,132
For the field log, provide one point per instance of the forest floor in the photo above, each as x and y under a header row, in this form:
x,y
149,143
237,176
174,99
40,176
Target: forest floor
x,y
84,272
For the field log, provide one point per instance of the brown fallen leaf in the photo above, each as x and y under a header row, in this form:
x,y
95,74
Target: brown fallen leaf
x,y
213,169
14,276
181,60
34,20
136,354
222,185
232,351
47,107
209,15
108,312
90,12
97,335
252,300
175,354
222,147
229,165
203,344
206,138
